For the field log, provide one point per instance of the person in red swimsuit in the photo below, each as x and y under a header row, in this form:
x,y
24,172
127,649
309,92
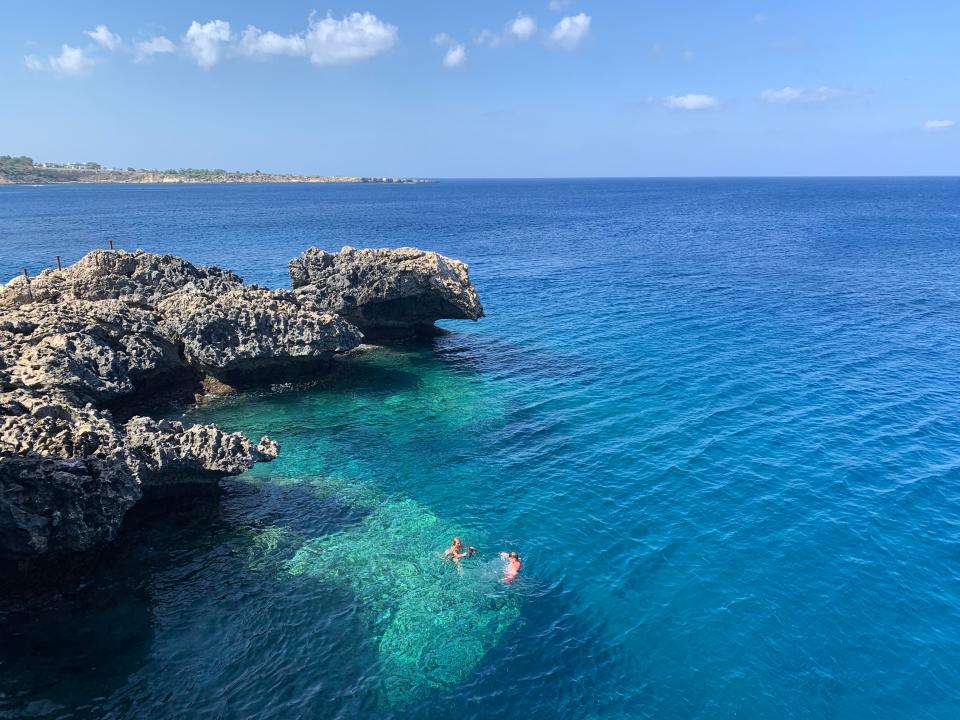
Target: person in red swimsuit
x,y
514,563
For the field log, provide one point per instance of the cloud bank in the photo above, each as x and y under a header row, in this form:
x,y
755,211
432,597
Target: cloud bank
x,y
937,125
326,41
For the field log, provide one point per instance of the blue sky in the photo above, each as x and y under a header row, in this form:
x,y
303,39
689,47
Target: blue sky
x,y
453,88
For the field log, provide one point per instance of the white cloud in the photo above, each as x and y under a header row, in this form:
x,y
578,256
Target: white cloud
x,y
455,56
326,41
570,31
693,101
103,37
490,39
802,96
254,42
206,42
559,5
935,125
70,62
157,45
358,36
522,27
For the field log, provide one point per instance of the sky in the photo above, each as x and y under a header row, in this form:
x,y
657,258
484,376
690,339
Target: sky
x,y
482,88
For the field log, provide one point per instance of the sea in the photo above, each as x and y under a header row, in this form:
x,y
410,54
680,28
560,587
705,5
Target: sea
x,y
719,419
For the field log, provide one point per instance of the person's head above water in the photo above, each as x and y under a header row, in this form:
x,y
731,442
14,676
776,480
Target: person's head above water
x,y
457,542
514,555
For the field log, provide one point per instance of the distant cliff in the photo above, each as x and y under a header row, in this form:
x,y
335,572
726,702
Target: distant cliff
x,y
24,171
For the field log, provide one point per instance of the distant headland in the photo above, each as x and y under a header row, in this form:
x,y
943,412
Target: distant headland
x,y
23,170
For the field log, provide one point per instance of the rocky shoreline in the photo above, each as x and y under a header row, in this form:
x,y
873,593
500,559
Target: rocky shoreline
x,y
84,349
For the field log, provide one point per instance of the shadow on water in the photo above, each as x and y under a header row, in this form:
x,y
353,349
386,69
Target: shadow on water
x,y
71,641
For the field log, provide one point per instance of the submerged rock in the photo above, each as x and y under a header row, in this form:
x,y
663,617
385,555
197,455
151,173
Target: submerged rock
x,y
138,278
432,625
387,292
246,333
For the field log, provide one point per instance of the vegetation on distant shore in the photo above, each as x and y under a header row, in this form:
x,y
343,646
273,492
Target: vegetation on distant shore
x,y
23,170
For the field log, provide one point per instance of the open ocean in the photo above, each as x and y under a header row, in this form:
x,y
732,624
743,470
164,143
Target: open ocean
x,y
719,418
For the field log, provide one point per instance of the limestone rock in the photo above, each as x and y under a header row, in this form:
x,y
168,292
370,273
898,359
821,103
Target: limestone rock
x,y
68,475
170,453
94,351
387,290
138,278
51,427
52,505
246,332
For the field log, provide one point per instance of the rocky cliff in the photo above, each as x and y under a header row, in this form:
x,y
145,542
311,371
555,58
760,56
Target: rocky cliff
x,y
74,342
78,346
387,292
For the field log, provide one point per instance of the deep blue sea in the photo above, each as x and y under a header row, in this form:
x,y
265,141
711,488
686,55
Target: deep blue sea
x,y
719,418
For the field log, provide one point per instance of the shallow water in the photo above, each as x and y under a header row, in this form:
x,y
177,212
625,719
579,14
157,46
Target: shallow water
x,y
719,418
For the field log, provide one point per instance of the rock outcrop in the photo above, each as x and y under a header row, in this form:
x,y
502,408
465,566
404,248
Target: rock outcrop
x,y
249,333
78,344
387,292
77,341
166,452
69,474
55,505
92,351
139,278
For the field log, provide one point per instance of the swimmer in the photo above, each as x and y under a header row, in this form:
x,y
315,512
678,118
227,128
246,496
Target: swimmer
x,y
455,551
514,563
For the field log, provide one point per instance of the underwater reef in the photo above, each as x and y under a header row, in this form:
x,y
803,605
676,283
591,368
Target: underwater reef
x,y
433,622
87,351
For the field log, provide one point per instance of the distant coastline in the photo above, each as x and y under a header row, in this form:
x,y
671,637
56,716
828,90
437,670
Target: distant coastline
x,y
23,170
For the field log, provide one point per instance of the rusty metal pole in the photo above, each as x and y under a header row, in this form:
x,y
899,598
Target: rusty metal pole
x,y
111,244
26,276
59,266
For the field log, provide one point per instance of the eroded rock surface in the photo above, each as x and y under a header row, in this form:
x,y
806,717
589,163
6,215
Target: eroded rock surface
x,y
385,291
93,351
167,452
68,474
244,333
138,278
78,342
73,343
54,505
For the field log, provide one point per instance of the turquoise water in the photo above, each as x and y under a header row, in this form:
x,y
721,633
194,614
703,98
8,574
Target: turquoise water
x,y
719,418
